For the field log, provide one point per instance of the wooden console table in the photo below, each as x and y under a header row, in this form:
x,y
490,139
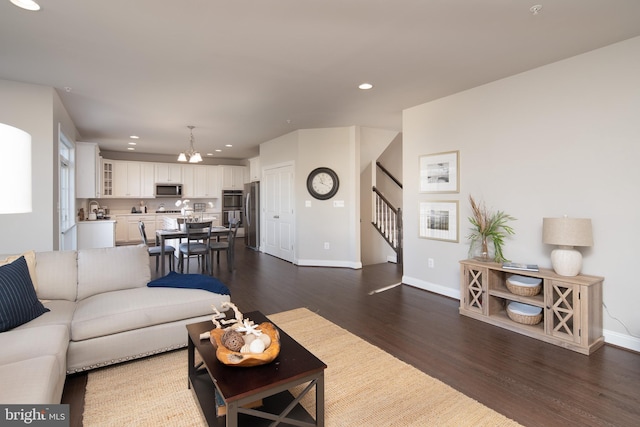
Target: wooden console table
x,y
571,306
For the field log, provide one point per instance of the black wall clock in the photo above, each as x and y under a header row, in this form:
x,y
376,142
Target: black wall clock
x,y
323,183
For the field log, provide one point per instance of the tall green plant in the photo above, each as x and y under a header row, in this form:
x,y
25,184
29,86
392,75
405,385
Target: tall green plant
x,y
488,226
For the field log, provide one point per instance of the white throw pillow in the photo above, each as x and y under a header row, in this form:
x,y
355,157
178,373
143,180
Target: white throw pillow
x,y
111,269
58,274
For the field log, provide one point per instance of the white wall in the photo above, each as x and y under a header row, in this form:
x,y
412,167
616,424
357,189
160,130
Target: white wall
x,y
30,108
341,149
560,139
321,221
279,150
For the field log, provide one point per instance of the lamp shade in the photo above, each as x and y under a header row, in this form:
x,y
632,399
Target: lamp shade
x,y
196,158
567,231
15,170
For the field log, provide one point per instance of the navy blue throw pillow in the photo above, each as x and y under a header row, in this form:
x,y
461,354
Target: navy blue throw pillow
x,y
190,281
18,300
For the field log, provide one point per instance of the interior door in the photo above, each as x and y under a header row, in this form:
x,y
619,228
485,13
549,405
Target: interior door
x,y
279,230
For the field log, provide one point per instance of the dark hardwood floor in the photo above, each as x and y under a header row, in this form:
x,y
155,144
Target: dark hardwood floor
x,y
534,383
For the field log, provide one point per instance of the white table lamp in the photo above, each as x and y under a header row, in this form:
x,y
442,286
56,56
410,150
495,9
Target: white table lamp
x,y
567,233
15,170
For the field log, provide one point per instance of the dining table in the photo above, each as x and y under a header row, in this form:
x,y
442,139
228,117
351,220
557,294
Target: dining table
x,y
163,235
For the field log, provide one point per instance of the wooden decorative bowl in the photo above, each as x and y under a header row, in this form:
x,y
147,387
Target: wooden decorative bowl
x,y
235,358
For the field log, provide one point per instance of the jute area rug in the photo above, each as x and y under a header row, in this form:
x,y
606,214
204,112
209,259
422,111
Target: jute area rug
x,y
364,386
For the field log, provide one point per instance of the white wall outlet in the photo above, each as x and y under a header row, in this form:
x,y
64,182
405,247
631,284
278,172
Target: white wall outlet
x,y
327,245
307,203
431,263
338,203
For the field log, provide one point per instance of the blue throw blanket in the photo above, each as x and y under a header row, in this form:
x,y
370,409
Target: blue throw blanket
x,y
190,281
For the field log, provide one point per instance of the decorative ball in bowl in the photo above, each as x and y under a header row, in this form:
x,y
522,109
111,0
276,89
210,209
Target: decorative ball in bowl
x,y
237,347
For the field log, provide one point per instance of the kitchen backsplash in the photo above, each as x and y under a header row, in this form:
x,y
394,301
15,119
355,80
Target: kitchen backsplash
x,y
123,206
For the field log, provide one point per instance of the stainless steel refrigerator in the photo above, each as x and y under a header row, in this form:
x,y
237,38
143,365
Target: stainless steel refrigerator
x,y
252,215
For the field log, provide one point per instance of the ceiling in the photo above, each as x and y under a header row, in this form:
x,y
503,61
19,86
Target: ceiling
x,y
246,71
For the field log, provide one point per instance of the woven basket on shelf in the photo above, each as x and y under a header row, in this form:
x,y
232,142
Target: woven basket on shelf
x,y
524,286
516,315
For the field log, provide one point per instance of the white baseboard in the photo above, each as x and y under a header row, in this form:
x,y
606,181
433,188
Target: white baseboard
x,y
328,263
432,287
622,340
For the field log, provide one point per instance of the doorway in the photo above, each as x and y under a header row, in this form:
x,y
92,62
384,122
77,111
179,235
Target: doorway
x,y
278,219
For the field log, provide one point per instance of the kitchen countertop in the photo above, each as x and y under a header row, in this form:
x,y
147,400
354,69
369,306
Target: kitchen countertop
x,y
96,221
160,214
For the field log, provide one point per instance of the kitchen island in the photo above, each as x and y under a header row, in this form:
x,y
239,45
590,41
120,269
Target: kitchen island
x,y
99,233
127,231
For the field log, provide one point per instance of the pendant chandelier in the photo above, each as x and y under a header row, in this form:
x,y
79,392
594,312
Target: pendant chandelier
x,y
191,155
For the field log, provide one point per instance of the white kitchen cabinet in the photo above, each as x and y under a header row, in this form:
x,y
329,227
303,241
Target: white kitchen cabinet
x,y
127,230
147,180
232,177
88,170
96,234
168,173
254,169
188,181
127,179
206,181
200,181
107,178
133,231
122,229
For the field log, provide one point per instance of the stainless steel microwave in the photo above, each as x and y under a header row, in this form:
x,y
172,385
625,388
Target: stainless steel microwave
x,y
168,190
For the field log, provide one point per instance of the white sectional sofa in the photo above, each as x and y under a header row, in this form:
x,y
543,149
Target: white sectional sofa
x,y
101,312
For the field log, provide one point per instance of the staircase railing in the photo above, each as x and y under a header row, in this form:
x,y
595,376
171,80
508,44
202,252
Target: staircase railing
x,y
388,221
389,174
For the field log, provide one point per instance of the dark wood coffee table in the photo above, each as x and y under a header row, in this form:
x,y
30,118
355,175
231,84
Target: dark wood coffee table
x,y
240,386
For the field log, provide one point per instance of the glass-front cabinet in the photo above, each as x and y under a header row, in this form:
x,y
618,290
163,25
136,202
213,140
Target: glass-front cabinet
x,y
107,178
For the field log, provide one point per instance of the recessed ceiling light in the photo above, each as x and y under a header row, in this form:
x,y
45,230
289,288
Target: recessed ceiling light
x,y
228,145
218,150
133,143
131,148
365,86
27,4
134,137
209,154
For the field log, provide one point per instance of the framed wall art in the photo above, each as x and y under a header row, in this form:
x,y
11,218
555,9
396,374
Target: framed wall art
x,y
439,220
439,172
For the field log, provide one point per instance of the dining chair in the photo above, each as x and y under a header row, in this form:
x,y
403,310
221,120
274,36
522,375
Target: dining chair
x,y
226,246
156,251
197,244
